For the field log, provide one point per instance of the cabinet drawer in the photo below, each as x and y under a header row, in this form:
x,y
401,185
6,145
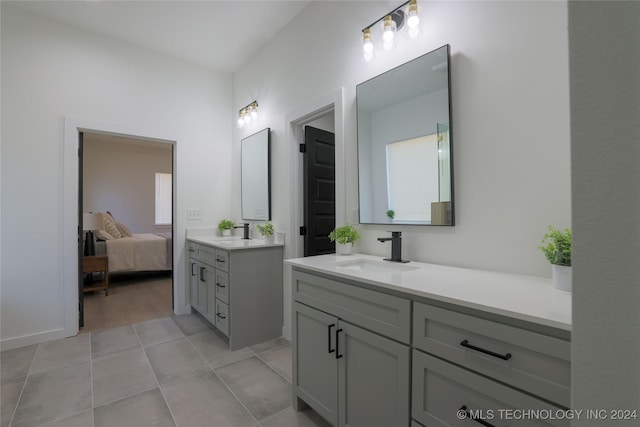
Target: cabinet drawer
x,y
384,314
222,317
206,254
533,362
222,260
222,286
441,390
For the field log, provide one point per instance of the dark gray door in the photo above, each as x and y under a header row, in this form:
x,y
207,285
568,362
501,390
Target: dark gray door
x,y
319,191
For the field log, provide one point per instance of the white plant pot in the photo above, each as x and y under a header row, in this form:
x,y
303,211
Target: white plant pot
x,y
226,233
561,277
270,239
344,249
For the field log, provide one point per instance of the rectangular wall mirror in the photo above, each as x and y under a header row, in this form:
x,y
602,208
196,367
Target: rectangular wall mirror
x,y
256,176
405,157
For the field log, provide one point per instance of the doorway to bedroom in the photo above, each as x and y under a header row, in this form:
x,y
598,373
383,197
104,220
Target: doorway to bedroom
x,y
126,185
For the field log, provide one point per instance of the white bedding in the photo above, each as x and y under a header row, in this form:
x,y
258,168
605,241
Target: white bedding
x,y
141,252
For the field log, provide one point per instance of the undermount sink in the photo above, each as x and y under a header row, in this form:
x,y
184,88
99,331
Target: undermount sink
x,y
372,266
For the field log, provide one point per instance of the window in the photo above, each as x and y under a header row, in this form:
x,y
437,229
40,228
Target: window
x,y
164,190
411,166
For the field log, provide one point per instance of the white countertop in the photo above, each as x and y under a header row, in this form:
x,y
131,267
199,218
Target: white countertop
x,y
527,298
231,243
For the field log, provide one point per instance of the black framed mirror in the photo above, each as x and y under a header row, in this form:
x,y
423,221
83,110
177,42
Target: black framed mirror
x,y
256,176
405,156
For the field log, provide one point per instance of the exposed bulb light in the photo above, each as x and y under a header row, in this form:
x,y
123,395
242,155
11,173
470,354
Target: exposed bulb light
x,y
388,27
254,111
367,44
412,13
240,119
247,115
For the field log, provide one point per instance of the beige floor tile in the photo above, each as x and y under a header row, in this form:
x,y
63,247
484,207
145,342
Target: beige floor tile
x,y
175,360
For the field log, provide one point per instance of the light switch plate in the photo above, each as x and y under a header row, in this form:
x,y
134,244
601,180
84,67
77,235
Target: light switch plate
x,y
194,214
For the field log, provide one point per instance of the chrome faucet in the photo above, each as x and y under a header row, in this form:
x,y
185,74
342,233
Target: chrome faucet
x,y
396,246
245,229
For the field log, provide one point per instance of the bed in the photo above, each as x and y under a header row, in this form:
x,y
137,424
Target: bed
x,y
134,252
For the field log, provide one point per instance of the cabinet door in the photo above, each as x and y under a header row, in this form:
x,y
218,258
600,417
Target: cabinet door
x,y
315,367
373,375
193,282
203,275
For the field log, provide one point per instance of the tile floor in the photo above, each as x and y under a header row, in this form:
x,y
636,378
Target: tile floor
x,y
172,371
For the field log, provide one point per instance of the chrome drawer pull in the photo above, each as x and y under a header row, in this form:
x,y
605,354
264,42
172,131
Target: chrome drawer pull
x,y
465,343
476,419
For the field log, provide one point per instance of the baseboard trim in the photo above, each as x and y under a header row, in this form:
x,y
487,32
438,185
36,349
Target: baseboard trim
x,y
25,340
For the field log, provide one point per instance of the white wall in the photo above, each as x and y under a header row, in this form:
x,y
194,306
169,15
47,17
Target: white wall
x,y
52,72
510,120
605,152
120,178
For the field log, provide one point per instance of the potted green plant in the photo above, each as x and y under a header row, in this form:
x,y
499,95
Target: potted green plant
x,y
345,236
225,226
267,231
391,214
557,249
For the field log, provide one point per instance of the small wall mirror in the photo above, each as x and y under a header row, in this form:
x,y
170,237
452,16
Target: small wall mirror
x,y
256,176
405,162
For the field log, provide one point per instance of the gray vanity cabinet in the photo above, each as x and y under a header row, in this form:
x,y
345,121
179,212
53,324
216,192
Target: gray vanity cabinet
x,y
348,374
238,291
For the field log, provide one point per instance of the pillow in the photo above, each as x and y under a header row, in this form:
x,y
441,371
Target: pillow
x,y
103,235
123,229
110,226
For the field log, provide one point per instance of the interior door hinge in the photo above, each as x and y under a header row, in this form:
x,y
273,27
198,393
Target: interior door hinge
x,y
303,230
303,148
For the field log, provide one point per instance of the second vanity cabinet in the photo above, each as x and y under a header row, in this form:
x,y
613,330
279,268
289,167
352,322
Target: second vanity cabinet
x,y
348,374
366,355
238,290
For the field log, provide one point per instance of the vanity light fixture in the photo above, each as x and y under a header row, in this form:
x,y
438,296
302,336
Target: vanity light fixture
x,y
391,24
248,113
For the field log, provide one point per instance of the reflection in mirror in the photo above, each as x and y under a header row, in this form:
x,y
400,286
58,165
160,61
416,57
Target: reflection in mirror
x,y
404,144
256,200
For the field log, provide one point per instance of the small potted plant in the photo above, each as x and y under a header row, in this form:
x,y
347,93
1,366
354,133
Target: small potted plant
x,y
557,248
267,231
345,236
391,214
225,226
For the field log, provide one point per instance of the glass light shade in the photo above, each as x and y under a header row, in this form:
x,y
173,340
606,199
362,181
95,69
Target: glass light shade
x,y
240,121
414,32
368,56
254,112
247,117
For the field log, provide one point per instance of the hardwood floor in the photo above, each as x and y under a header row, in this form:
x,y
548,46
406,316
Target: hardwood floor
x,y
133,298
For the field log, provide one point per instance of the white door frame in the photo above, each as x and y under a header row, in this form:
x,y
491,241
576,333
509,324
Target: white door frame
x,y
294,124
69,244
